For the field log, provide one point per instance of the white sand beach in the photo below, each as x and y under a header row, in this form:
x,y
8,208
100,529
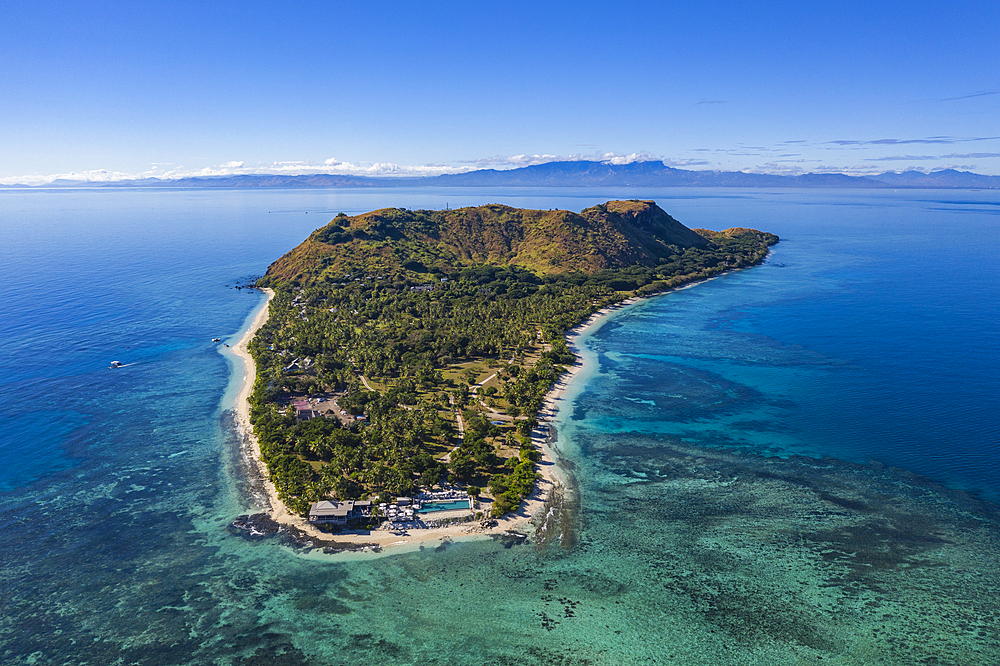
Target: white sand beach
x,y
400,540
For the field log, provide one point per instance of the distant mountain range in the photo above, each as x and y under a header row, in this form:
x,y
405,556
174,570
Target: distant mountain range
x,y
580,174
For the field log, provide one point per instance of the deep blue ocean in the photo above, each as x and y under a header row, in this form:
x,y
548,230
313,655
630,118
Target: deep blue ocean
x,y
796,463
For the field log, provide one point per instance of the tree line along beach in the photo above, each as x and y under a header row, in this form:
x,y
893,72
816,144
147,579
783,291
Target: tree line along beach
x,y
402,352
719,437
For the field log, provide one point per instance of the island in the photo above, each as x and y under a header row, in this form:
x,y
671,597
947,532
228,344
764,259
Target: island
x,y
405,355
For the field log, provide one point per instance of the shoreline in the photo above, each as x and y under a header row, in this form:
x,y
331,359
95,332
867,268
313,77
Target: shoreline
x,y
550,406
375,541
243,406
533,514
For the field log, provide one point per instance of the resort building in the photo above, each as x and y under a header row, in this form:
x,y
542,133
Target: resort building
x,y
304,410
339,513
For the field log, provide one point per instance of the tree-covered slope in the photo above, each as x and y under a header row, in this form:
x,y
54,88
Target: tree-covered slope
x,y
428,322
612,235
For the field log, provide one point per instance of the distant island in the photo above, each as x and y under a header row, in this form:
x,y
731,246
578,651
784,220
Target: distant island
x,y
407,353
650,173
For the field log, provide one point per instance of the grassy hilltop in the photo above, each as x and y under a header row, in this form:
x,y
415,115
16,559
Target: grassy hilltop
x,y
612,235
431,322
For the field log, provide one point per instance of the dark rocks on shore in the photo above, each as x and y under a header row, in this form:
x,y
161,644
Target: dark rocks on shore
x,y
256,525
261,525
510,538
301,539
247,283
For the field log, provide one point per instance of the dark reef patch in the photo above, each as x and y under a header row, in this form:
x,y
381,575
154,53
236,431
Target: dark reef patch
x,y
802,553
282,655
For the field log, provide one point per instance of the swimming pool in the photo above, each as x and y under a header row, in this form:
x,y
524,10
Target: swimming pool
x,y
451,505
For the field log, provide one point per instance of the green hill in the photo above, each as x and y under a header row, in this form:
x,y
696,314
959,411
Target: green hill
x,y
612,235
431,322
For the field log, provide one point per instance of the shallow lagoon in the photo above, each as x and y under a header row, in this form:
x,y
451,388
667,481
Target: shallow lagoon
x,y
748,452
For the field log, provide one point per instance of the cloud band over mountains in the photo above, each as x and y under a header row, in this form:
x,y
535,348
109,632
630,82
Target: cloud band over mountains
x,y
860,157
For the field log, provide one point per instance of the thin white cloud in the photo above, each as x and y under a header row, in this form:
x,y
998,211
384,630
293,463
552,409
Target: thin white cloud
x,y
784,168
783,163
951,156
777,169
92,176
898,142
240,168
517,161
981,93
957,167
514,161
686,163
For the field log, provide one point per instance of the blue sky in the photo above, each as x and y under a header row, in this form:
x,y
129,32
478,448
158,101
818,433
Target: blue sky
x,y
102,89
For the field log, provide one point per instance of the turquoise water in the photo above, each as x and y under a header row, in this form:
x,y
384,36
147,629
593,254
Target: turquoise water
x,y
431,507
791,464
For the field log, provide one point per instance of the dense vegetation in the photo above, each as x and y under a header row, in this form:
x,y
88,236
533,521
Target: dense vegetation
x,y
425,320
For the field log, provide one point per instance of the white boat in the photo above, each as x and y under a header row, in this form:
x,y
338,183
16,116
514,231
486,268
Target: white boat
x,y
115,364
